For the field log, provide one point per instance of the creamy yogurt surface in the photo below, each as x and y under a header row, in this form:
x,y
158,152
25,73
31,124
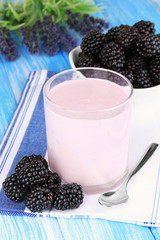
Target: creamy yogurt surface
x,y
87,94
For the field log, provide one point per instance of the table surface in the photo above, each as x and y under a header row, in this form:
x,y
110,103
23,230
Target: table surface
x,y
13,76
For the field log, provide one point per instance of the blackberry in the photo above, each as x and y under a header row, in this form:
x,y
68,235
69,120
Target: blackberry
x,y
142,79
154,70
144,27
128,74
53,182
148,45
112,34
85,60
112,56
97,64
92,42
35,173
127,37
135,63
69,196
14,190
27,160
38,199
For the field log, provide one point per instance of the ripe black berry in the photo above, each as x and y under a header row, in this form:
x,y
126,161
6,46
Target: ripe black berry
x,y
144,27
112,56
142,79
14,189
112,34
69,196
154,69
27,160
53,181
128,74
85,60
127,38
92,42
35,173
148,45
135,63
38,199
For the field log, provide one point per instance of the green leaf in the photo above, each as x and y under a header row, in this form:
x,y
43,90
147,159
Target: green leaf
x,y
16,15
22,15
8,12
16,26
31,11
3,24
32,20
2,7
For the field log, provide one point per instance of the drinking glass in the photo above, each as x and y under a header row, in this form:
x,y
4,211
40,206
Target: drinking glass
x,y
88,145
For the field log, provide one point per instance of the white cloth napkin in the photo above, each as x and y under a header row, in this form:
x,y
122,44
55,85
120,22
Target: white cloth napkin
x,y
26,135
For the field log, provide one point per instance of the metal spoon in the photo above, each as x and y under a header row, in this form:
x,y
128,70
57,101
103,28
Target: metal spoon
x,y
119,196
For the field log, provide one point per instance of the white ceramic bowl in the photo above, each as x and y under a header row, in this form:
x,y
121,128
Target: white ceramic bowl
x,y
73,56
148,94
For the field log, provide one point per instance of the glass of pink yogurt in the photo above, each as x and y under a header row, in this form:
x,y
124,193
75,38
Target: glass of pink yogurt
x,y
87,114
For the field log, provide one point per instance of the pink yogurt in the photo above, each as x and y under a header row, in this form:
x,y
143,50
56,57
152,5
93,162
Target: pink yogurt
x,y
91,148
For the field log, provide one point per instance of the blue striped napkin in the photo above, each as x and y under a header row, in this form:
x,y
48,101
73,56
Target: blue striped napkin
x,y
26,136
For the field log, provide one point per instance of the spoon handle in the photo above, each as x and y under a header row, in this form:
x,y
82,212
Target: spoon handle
x,y
148,154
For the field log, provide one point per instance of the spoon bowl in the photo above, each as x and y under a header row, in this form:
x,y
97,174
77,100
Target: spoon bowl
x,y
119,196
114,198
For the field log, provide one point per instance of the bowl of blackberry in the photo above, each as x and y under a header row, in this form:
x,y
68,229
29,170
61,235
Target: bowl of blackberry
x,y
133,51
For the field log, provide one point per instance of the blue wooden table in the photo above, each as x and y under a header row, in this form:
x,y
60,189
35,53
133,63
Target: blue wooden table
x,y
13,76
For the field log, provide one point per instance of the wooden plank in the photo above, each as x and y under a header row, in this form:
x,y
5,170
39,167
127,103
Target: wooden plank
x,y
7,101
99,229
13,79
156,233
128,12
20,227
29,228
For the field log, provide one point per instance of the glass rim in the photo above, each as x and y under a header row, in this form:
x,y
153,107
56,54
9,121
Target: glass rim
x,y
87,111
